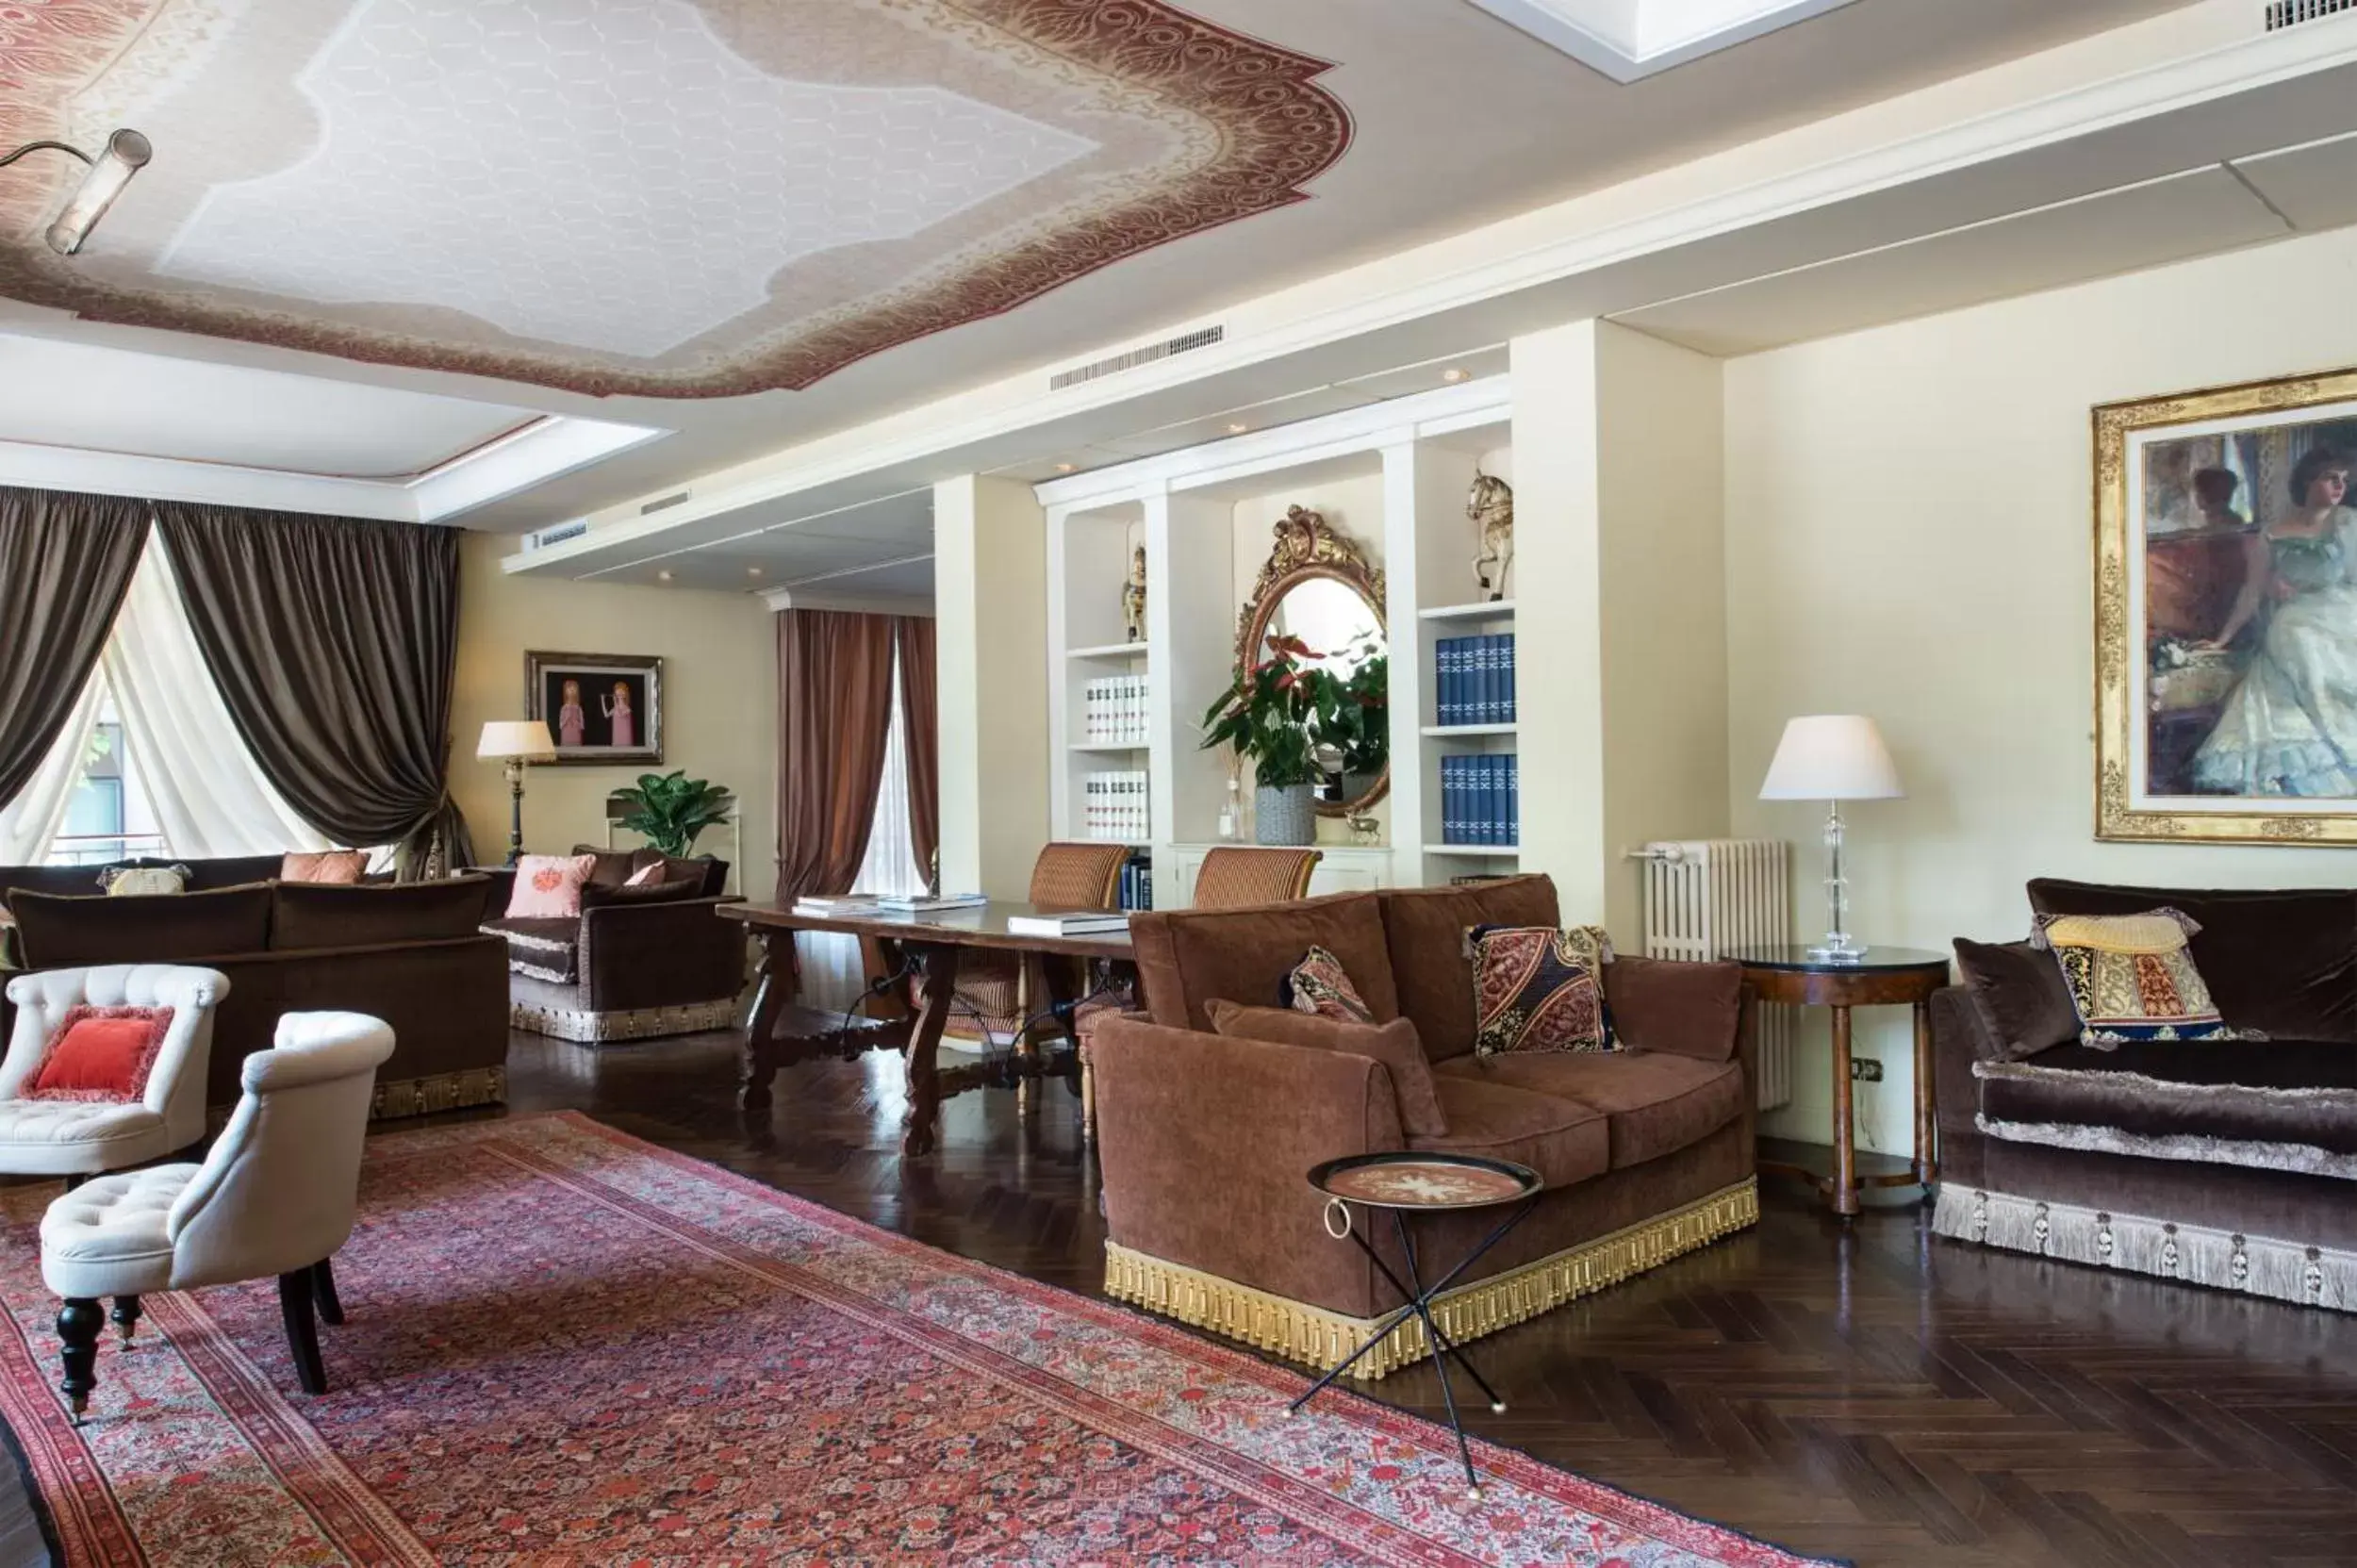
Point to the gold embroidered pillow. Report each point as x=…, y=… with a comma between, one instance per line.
x=2132, y=977
x=1540, y=989
x=1321, y=986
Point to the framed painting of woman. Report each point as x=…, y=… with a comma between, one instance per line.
x=2226, y=615
x=599, y=709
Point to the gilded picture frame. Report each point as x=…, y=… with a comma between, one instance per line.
x=2226, y=615
x=603, y=710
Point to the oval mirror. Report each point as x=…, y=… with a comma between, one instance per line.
x=1318, y=589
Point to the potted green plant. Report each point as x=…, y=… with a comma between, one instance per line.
x=1359, y=726
x=1270, y=714
x=669, y=810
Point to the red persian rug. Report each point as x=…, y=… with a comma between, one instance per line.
x=566, y=1346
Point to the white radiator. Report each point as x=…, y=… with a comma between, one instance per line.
x=1707, y=897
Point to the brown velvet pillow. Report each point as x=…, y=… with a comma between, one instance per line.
x=325, y=915
x=1395, y=1044
x=2020, y=993
x=1677, y=1005
x=1424, y=933
x=60, y=932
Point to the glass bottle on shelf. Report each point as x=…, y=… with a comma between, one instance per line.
x=1229, y=814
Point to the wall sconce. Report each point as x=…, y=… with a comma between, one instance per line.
x=125, y=154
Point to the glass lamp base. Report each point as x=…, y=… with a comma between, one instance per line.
x=1837, y=948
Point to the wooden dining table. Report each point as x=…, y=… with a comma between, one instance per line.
x=929, y=946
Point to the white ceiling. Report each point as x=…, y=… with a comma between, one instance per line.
x=1458, y=120
x=1629, y=39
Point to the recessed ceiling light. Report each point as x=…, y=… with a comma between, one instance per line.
x=1063, y=468
x=1453, y=374
x=752, y=572
x=1238, y=429
x=663, y=576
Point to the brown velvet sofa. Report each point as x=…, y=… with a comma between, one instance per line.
x=1206, y=1140
x=409, y=953
x=636, y=964
x=2225, y=1162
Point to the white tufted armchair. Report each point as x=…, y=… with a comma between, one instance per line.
x=73, y=1138
x=274, y=1196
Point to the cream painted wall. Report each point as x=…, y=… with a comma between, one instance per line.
x=1908, y=537
x=720, y=700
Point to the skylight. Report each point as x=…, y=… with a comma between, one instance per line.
x=1627, y=40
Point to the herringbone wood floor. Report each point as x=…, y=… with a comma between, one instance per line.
x=1870, y=1391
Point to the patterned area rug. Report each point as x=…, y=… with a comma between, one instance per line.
x=567, y=1346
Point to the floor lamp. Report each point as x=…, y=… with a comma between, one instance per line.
x=515, y=742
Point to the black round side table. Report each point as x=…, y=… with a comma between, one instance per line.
x=1408, y=1180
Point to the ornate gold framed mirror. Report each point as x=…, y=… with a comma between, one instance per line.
x=1317, y=586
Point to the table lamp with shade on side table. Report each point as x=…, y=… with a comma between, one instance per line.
x=1833, y=757
x=515, y=742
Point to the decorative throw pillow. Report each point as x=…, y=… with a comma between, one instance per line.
x=2132, y=977
x=101, y=1054
x=1540, y=989
x=340, y=867
x=1395, y=1044
x=2018, y=991
x=132, y=882
x=549, y=886
x=647, y=876
x=1321, y=986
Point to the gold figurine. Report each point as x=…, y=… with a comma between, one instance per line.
x=1489, y=506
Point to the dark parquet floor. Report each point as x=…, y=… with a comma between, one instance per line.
x=1868, y=1391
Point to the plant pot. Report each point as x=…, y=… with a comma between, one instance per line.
x=1285, y=816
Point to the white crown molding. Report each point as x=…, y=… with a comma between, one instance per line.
x=1630, y=39
x=518, y=460
x=1849, y=158
x=850, y=604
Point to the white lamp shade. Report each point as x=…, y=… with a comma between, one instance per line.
x=1830, y=756
x=527, y=739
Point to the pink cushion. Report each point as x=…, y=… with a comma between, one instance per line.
x=649, y=875
x=549, y=886
x=340, y=867
x=101, y=1054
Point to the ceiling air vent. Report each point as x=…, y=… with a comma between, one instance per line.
x=2291, y=13
x=559, y=534
x=1185, y=342
x=663, y=503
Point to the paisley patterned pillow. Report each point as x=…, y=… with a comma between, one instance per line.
x=1540, y=989
x=1321, y=986
x=2132, y=977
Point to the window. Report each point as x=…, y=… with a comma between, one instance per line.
x=108, y=817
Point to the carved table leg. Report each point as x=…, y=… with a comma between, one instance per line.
x=776, y=988
x=1927, y=1101
x=938, y=976
x=1845, y=1199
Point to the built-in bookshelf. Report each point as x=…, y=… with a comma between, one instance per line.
x=1395, y=476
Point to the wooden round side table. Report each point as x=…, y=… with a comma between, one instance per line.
x=1895, y=977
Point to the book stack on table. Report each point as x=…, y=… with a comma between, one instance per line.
x=1474, y=679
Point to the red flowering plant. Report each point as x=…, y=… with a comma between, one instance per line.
x=1274, y=711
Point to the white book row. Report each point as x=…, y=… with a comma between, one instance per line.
x=1112, y=711
x=1113, y=806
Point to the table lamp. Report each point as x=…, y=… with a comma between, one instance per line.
x=515, y=741
x=1833, y=757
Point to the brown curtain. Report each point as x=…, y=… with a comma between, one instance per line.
x=921, y=711
x=834, y=716
x=65, y=563
x=335, y=642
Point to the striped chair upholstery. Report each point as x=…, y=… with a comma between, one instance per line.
x=993, y=984
x=1232, y=877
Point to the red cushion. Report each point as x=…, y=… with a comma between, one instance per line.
x=101, y=1053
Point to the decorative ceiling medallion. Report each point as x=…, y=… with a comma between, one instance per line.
x=667, y=198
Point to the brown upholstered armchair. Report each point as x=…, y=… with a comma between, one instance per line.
x=636, y=965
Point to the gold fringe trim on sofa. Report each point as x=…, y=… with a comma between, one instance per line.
x=1319, y=1337
x=584, y=1026
x=415, y=1097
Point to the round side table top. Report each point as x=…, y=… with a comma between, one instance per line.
x=1875, y=960
x=1415, y=1179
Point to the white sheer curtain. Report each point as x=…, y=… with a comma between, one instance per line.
x=832, y=975
x=29, y=824
x=208, y=796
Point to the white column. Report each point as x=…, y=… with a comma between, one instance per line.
x=1190, y=623
x=990, y=592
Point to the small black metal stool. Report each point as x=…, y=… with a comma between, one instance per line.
x=1408, y=1180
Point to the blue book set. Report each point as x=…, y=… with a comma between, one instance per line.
x=1474, y=679
x=1480, y=799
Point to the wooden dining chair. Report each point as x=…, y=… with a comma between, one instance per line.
x=1233, y=876
x=1003, y=989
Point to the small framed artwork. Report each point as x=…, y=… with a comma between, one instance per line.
x=599, y=709
x=2226, y=615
